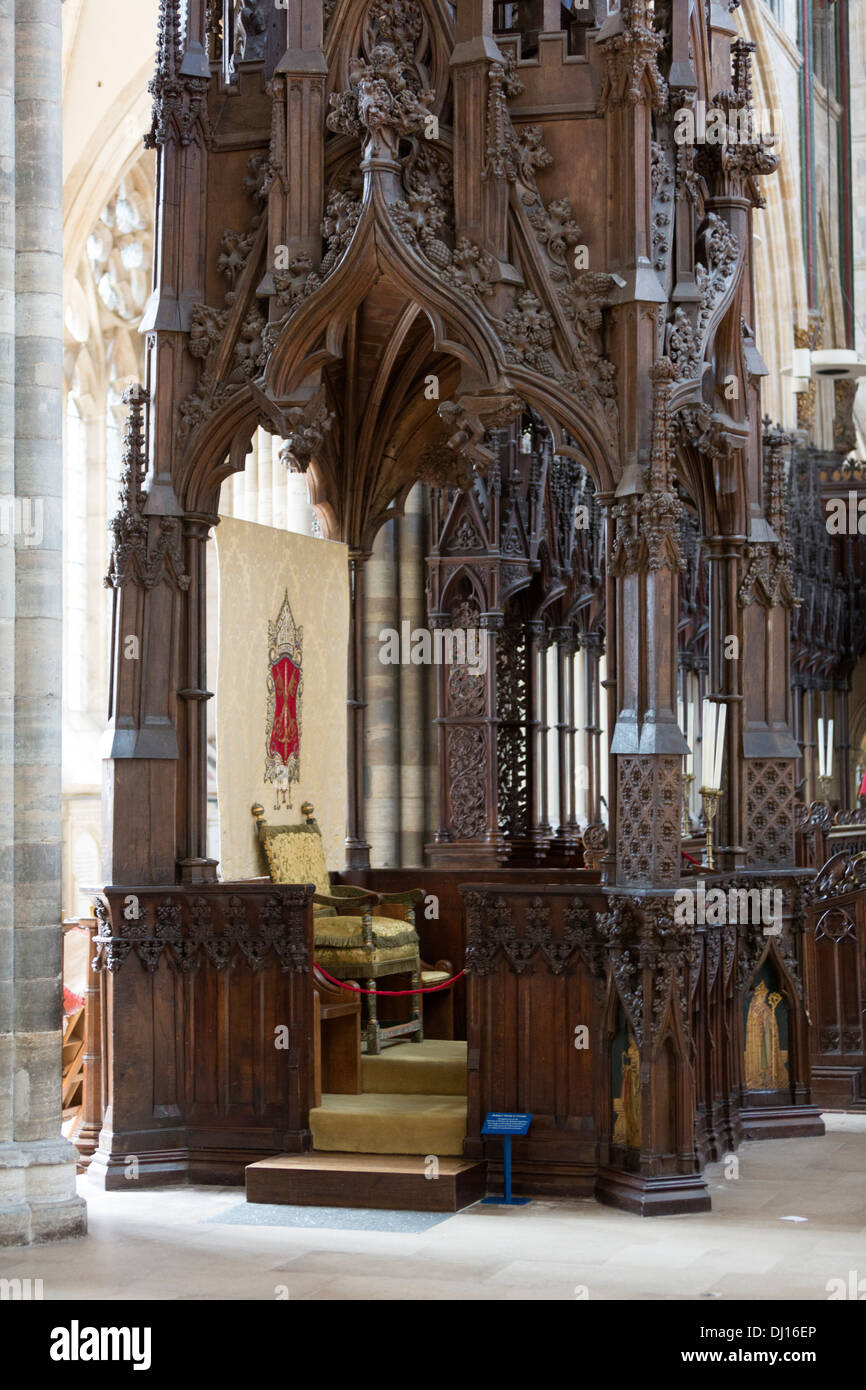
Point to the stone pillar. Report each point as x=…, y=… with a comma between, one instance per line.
x=413, y=681
x=38, y=1201
x=382, y=686
x=357, y=848
x=14, y=1213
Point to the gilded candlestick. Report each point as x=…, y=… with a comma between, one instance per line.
x=710, y=797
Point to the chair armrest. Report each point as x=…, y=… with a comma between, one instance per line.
x=352, y=902
x=406, y=900
x=343, y=901
x=410, y=897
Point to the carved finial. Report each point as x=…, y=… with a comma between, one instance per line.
x=133, y=556
x=380, y=102
x=179, y=96
x=308, y=812
x=741, y=52
x=129, y=525
x=169, y=51
x=258, y=811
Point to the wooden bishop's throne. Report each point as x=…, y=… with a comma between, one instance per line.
x=358, y=934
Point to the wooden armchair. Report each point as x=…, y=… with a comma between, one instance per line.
x=358, y=934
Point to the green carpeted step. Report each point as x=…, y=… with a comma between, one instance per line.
x=390, y=1124
x=433, y=1067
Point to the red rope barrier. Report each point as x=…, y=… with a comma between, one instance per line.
x=396, y=993
x=691, y=859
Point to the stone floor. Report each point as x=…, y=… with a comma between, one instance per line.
x=186, y=1243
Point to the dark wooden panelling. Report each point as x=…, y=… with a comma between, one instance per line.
x=196, y=1085
x=835, y=973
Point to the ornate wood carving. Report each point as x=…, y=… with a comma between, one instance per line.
x=769, y=819
x=210, y=1062
x=492, y=937
x=210, y=927
x=398, y=274
x=650, y=806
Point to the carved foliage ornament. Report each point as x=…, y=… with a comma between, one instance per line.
x=641, y=936
x=492, y=936
x=209, y=325
x=739, y=160
x=685, y=338
x=185, y=932
x=380, y=103
x=508, y=155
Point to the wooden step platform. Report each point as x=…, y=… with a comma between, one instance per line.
x=386, y=1182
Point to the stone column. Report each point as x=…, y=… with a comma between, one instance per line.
x=382, y=687
x=38, y=1201
x=357, y=847
x=413, y=681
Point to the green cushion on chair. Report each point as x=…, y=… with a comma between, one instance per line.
x=345, y=933
x=357, y=963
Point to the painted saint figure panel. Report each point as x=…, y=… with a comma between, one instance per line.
x=766, y=1029
x=285, y=688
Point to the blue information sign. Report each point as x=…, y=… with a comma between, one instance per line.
x=505, y=1126
x=497, y=1123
